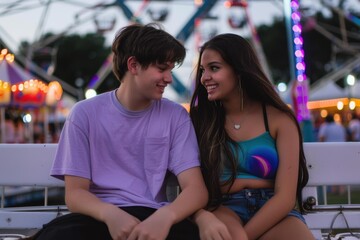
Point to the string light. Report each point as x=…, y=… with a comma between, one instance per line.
x=300, y=67
x=24, y=93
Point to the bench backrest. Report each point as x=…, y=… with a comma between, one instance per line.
x=328, y=164
x=333, y=163
x=27, y=165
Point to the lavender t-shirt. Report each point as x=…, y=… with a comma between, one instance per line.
x=126, y=154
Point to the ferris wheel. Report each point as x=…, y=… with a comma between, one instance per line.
x=85, y=13
x=36, y=15
x=105, y=16
x=96, y=14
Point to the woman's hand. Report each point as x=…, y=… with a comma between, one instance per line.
x=210, y=227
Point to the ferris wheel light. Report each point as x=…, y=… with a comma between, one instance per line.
x=90, y=93
x=282, y=87
x=350, y=80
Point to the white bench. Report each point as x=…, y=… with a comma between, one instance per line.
x=331, y=164
x=25, y=167
x=328, y=164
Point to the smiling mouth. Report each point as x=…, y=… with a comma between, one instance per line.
x=209, y=88
x=162, y=87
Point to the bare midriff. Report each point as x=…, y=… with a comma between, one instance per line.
x=242, y=183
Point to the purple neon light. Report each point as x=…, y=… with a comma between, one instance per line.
x=301, y=89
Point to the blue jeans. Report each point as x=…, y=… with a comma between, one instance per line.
x=248, y=201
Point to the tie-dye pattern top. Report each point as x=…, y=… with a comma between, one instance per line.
x=258, y=157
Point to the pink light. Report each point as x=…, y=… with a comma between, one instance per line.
x=300, y=78
x=299, y=53
x=300, y=66
x=295, y=16
x=294, y=5
x=298, y=40
x=296, y=28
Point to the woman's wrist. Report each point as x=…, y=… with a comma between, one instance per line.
x=201, y=215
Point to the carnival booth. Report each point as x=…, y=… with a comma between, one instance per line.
x=329, y=97
x=21, y=91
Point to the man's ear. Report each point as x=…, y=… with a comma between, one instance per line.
x=132, y=65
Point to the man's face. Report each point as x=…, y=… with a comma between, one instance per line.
x=152, y=81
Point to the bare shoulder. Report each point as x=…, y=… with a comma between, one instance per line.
x=279, y=120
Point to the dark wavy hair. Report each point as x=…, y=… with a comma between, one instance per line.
x=149, y=44
x=209, y=116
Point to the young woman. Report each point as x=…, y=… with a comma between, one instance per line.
x=250, y=147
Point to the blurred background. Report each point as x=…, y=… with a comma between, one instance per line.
x=57, y=52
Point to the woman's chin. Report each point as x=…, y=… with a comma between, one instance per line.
x=212, y=98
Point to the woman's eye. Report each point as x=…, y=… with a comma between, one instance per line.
x=214, y=68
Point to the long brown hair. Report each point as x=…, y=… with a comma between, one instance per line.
x=209, y=116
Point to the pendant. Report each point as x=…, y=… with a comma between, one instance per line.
x=237, y=126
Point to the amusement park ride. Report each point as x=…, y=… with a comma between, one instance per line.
x=203, y=11
x=292, y=14
x=189, y=28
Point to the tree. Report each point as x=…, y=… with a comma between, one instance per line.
x=74, y=59
x=322, y=55
x=274, y=43
x=80, y=57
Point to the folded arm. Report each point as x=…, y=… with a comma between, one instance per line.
x=193, y=197
x=79, y=199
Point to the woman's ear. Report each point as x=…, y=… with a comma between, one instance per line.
x=132, y=65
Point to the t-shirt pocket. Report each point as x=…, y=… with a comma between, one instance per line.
x=156, y=153
x=156, y=158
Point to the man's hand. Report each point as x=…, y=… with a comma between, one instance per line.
x=155, y=227
x=120, y=223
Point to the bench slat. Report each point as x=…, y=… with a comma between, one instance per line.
x=323, y=220
x=333, y=163
x=25, y=220
x=27, y=165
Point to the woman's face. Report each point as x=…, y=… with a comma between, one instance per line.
x=217, y=77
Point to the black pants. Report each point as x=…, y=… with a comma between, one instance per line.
x=74, y=226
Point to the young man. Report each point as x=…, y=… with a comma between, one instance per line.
x=117, y=150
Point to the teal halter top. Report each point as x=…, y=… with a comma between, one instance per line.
x=257, y=157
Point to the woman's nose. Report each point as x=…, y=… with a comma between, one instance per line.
x=204, y=77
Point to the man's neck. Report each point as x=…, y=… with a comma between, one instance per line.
x=129, y=100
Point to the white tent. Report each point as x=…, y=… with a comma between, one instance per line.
x=326, y=91
x=330, y=90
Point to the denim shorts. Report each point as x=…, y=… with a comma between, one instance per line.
x=248, y=201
